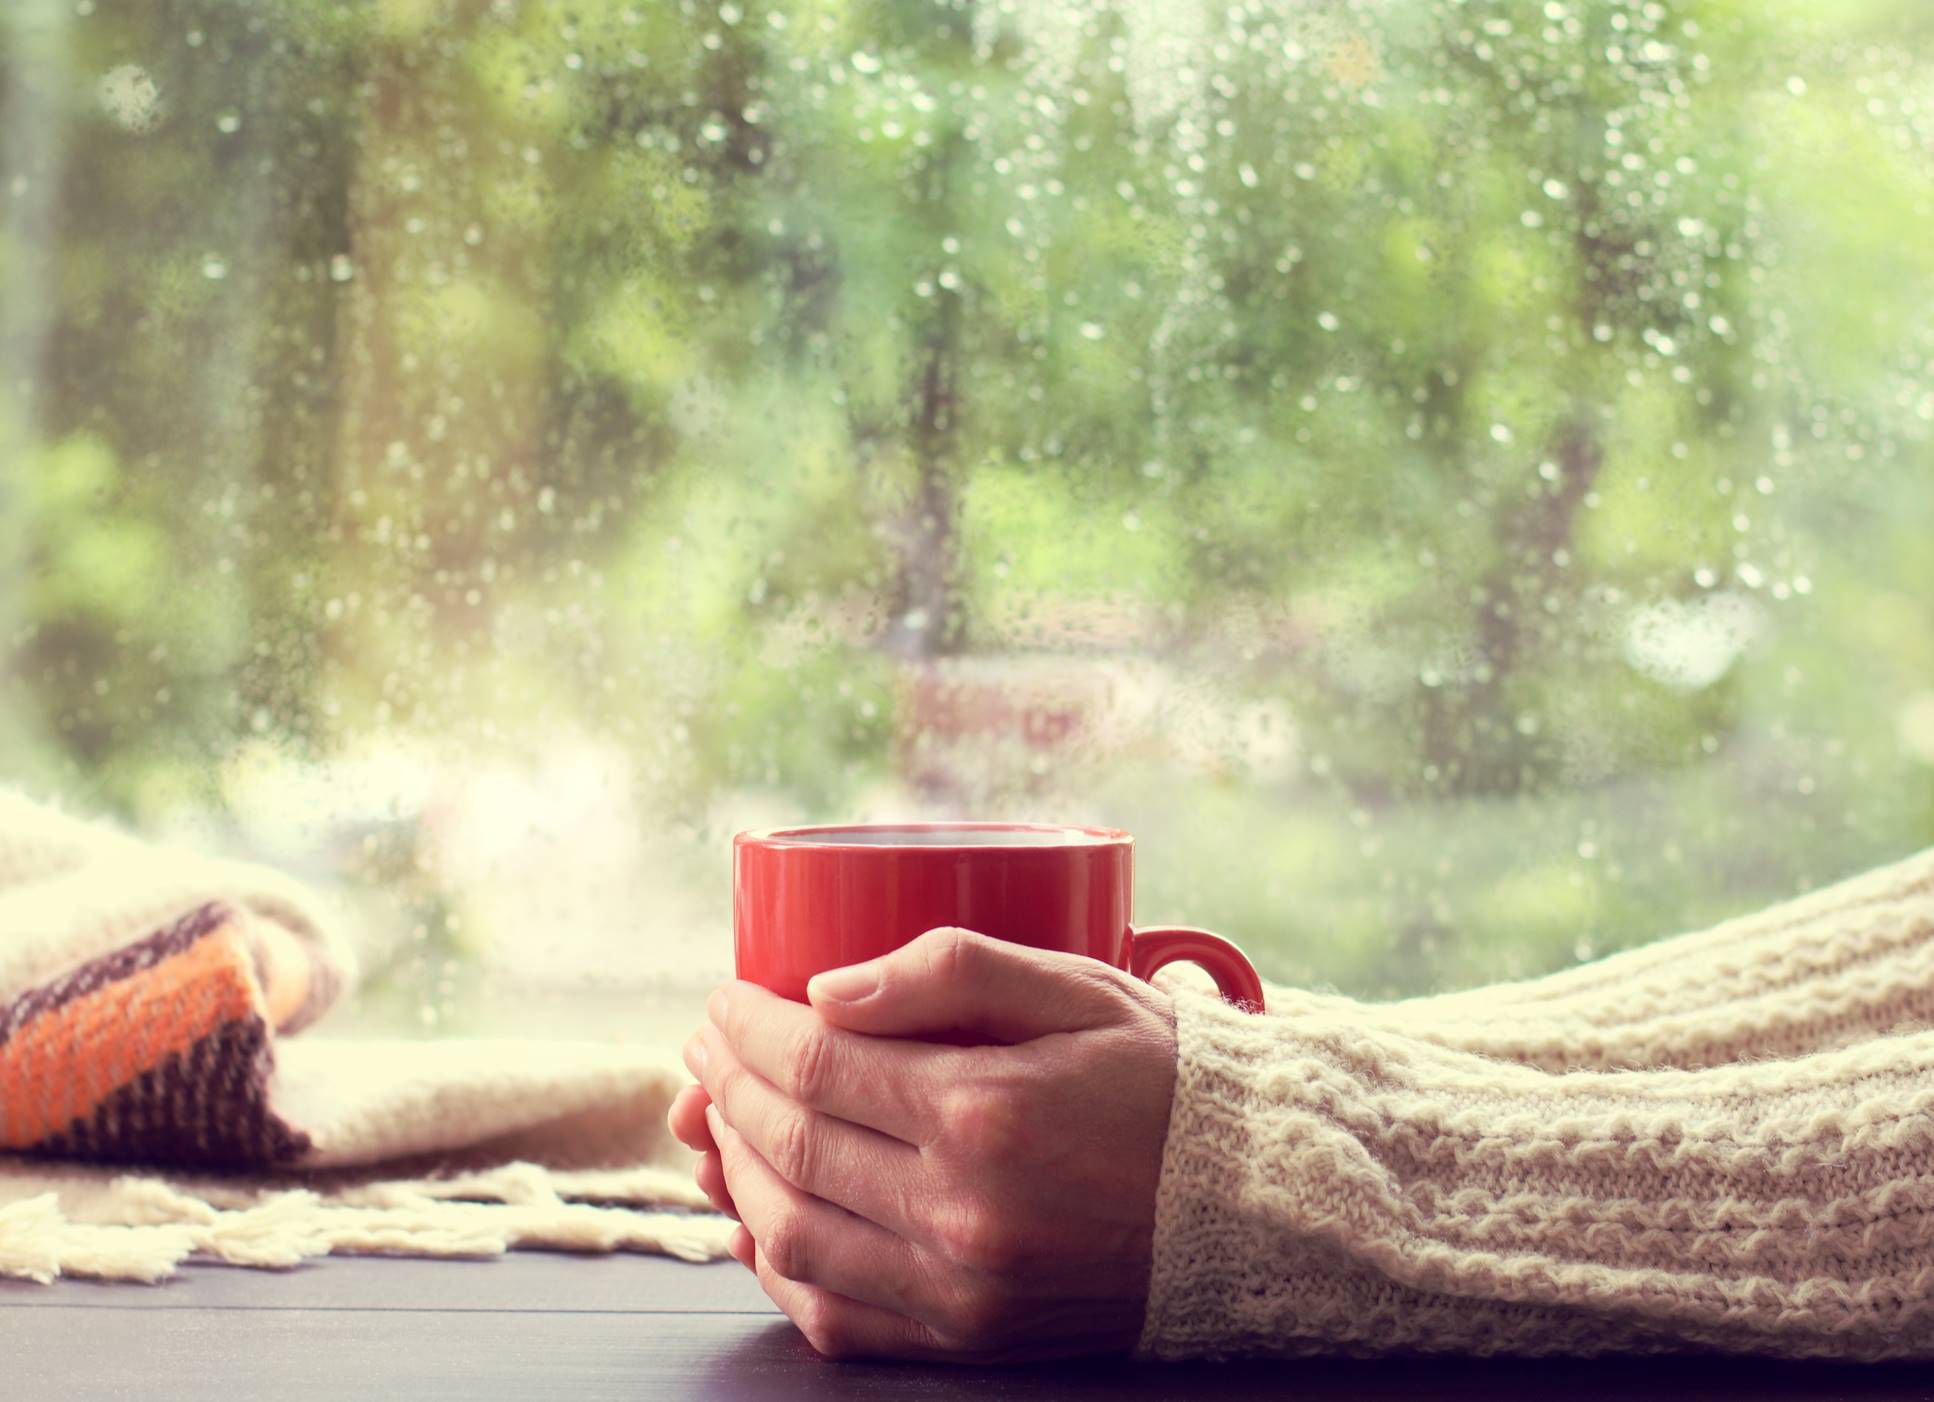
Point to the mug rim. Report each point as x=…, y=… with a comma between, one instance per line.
x=824, y=836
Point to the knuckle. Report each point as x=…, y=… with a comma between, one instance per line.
x=950, y=953
x=981, y=1123
x=792, y=1146
x=784, y=1246
x=818, y=1317
x=1110, y=981
x=977, y=1239
x=976, y=1320
x=809, y=1064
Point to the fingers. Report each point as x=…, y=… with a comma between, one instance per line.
x=952, y=980
x=886, y=1085
x=838, y=1327
x=686, y=1119
x=807, y=1241
x=710, y=1177
x=856, y=1168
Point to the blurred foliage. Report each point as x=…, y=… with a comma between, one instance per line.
x=1500, y=427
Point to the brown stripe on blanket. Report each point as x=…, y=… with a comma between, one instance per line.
x=205, y=1108
x=125, y=962
x=158, y=1053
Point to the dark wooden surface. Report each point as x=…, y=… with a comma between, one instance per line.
x=538, y=1326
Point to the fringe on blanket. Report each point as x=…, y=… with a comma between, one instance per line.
x=118, y=1226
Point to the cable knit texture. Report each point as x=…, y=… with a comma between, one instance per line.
x=1719, y=1141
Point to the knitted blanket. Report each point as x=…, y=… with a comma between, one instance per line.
x=152, y=1110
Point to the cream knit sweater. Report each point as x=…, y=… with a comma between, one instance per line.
x=1724, y=1140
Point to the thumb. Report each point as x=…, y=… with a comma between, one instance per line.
x=955, y=981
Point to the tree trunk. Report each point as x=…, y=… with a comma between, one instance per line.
x=31, y=141
x=926, y=620
x=436, y=424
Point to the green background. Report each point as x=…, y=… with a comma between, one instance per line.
x=1453, y=478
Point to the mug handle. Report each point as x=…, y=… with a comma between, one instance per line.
x=1235, y=977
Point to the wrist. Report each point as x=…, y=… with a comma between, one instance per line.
x=1202, y=1244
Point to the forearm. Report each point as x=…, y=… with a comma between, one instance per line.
x=1826, y=970
x=1329, y=1188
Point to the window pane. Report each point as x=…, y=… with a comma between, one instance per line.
x=1453, y=478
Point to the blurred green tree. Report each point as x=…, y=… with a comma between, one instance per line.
x=1531, y=399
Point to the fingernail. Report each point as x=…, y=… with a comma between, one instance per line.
x=714, y=1122
x=695, y=1054
x=847, y=985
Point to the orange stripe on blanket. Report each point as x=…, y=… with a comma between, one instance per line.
x=62, y=1065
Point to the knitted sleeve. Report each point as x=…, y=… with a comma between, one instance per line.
x=1329, y=1186
x=1827, y=970
x=1744, y=1161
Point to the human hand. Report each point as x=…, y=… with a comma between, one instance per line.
x=906, y=1199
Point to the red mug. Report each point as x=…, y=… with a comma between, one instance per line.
x=809, y=899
